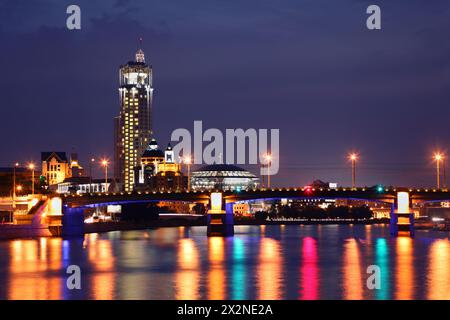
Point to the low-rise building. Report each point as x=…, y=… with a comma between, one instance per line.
x=80, y=185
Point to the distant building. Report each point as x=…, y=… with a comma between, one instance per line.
x=224, y=177
x=55, y=167
x=80, y=185
x=75, y=169
x=159, y=170
x=133, y=125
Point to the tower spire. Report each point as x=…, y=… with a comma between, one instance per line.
x=140, y=57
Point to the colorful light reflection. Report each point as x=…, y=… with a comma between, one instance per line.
x=309, y=270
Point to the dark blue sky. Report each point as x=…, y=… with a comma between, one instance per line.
x=308, y=67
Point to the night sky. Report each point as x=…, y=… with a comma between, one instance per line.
x=308, y=67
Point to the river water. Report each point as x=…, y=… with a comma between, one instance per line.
x=259, y=262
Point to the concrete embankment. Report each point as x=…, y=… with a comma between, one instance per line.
x=11, y=231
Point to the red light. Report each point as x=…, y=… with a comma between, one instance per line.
x=308, y=190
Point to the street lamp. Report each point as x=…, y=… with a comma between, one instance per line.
x=268, y=158
x=90, y=171
x=14, y=185
x=31, y=167
x=438, y=157
x=187, y=160
x=105, y=164
x=353, y=157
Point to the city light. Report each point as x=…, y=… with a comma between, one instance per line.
x=31, y=167
x=403, y=202
x=216, y=202
x=438, y=157
x=353, y=157
x=105, y=164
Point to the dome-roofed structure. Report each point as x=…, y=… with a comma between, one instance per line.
x=152, y=151
x=225, y=177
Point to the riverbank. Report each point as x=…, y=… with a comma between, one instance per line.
x=8, y=231
x=123, y=225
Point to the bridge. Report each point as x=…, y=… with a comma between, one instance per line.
x=387, y=195
x=400, y=199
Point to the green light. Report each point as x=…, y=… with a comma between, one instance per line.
x=380, y=188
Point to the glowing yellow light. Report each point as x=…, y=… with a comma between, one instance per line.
x=55, y=206
x=438, y=156
x=216, y=202
x=268, y=157
x=19, y=188
x=353, y=156
x=105, y=163
x=187, y=159
x=403, y=202
x=31, y=166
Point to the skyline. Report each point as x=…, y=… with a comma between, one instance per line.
x=216, y=74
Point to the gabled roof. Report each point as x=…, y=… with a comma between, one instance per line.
x=61, y=156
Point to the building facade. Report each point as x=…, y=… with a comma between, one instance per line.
x=133, y=127
x=159, y=171
x=55, y=167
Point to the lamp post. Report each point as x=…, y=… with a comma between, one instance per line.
x=14, y=185
x=90, y=171
x=105, y=164
x=31, y=167
x=187, y=161
x=268, y=157
x=438, y=157
x=353, y=157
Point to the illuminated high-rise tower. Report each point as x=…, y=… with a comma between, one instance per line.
x=133, y=127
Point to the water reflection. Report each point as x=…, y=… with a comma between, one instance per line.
x=309, y=270
x=288, y=262
x=352, y=282
x=382, y=260
x=187, y=276
x=101, y=260
x=34, y=269
x=439, y=270
x=216, y=275
x=238, y=271
x=269, y=270
x=404, y=269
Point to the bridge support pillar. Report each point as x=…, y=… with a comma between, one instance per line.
x=402, y=217
x=219, y=222
x=72, y=221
